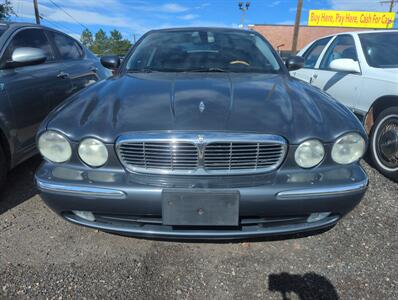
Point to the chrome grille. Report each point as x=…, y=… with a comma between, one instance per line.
x=160, y=155
x=201, y=153
x=236, y=155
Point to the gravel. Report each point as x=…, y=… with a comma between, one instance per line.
x=45, y=257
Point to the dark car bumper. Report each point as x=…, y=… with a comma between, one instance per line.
x=281, y=206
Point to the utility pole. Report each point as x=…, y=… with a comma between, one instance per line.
x=391, y=2
x=244, y=9
x=297, y=25
x=37, y=15
x=391, y=5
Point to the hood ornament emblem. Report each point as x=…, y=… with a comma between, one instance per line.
x=202, y=106
x=200, y=143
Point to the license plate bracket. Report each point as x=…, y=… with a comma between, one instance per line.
x=183, y=207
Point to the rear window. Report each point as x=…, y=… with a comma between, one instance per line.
x=67, y=47
x=380, y=49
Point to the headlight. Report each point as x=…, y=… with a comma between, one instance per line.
x=348, y=148
x=93, y=152
x=54, y=147
x=309, y=153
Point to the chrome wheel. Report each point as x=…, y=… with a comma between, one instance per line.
x=385, y=143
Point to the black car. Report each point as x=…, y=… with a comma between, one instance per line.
x=202, y=133
x=39, y=68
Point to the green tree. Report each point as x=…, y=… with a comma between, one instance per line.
x=118, y=45
x=87, y=38
x=100, y=44
x=6, y=11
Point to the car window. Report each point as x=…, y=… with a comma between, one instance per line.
x=3, y=29
x=202, y=50
x=67, y=47
x=34, y=38
x=342, y=47
x=380, y=49
x=312, y=54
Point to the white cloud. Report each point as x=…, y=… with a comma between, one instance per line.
x=274, y=3
x=360, y=5
x=202, y=5
x=189, y=17
x=133, y=16
x=200, y=23
x=86, y=17
x=173, y=8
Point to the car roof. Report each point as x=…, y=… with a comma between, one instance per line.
x=19, y=24
x=375, y=31
x=219, y=29
x=16, y=25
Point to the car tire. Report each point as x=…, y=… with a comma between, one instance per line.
x=384, y=143
x=3, y=167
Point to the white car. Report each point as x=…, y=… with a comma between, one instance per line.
x=360, y=69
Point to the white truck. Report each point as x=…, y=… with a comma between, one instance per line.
x=360, y=69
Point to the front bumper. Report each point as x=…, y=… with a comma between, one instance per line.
x=279, y=206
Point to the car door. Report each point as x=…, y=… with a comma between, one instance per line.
x=343, y=86
x=77, y=67
x=31, y=88
x=311, y=56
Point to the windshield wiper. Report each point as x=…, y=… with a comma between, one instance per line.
x=206, y=70
x=149, y=70
x=144, y=70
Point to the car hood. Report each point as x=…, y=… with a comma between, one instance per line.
x=256, y=103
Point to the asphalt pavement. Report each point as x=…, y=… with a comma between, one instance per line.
x=45, y=257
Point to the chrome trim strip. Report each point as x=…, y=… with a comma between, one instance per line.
x=191, y=136
x=324, y=191
x=76, y=190
x=200, y=140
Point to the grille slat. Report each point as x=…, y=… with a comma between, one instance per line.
x=237, y=155
x=216, y=156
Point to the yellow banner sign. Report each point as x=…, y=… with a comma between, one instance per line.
x=357, y=19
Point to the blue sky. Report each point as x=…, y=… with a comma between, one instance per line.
x=138, y=16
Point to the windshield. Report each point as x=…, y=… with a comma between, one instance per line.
x=203, y=51
x=380, y=49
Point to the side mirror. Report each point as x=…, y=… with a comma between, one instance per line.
x=294, y=63
x=345, y=65
x=26, y=56
x=111, y=61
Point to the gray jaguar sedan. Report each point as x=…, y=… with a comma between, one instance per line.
x=202, y=133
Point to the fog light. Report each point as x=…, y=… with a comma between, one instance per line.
x=87, y=215
x=317, y=216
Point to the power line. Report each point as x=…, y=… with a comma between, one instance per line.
x=391, y=2
x=57, y=25
x=68, y=14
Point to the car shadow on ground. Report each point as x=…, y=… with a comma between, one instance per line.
x=309, y=286
x=19, y=186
